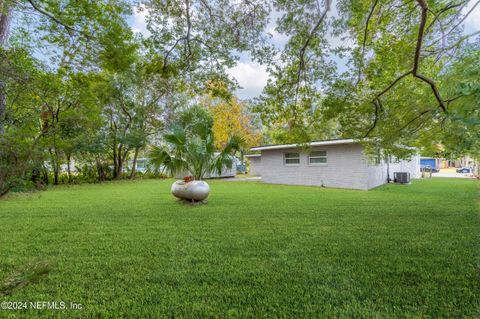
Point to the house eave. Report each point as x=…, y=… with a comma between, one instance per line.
x=290, y=146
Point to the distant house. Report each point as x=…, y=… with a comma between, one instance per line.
x=226, y=171
x=332, y=163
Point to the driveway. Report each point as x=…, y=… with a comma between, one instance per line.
x=245, y=179
x=450, y=172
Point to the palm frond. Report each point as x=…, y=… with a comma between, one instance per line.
x=163, y=161
x=177, y=137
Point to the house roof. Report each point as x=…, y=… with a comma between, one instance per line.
x=253, y=155
x=314, y=143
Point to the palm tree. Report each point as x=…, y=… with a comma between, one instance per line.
x=191, y=149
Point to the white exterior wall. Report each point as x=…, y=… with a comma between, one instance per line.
x=346, y=167
x=377, y=174
x=412, y=166
x=255, y=168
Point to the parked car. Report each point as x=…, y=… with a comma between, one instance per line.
x=464, y=170
x=241, y=169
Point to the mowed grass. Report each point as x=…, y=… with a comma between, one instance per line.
x=130, y=250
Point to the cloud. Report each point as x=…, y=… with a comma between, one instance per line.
x=252, y=78
x=138, y=21
x=472, y=23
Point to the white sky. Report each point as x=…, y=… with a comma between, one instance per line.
x=252, y=76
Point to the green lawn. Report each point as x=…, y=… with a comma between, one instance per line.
x=129, y=249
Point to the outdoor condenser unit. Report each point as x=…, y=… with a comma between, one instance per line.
x=401, y=177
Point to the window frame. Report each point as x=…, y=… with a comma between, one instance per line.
x=318, y=156
x=291, y=164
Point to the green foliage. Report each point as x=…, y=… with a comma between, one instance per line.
x=461, y=134
x=256, y=250
x=15, y=161
x=199, y=40
x=401, y=83
x=190, y=147
x=76, y=34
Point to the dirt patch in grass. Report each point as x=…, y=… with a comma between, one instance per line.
x=25, y=276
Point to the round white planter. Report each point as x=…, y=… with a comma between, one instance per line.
x=194, y=190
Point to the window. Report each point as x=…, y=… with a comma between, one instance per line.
x=292, y=158
x=317, y=157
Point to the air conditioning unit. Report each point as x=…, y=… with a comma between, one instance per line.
x=401, y=177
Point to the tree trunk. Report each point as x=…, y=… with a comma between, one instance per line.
x=69, y=157
x=115, y=161
x=4, y=191
x=5, y=18
x=3, y=187
x=55, y=166
x=122, y=153
x=55, y=176
x=119, y=168
x=36, y=177
x=118, y=174
x=100, y=170
x=3, y=107
x=45, y=174
x=134, y=164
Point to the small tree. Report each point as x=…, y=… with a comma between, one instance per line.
x=190, y=147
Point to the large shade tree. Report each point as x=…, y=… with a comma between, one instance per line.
x=43, y=50
x=396, y=89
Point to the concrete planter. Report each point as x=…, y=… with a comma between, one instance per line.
x=194, y=190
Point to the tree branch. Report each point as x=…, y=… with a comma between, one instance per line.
x=189, y=29
x=443, y=10
x=416, y=62
x=421, y=31
x=365, y=34
x=165, y=58
x=209, y=9
x=453, y=45
x=414, y=119
x=464, y=17
x=375, y=121
x=53, y=18
x=301, y=63
x=392, y=84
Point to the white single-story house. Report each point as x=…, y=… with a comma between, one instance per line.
x=255, y=161
x=340, y=163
